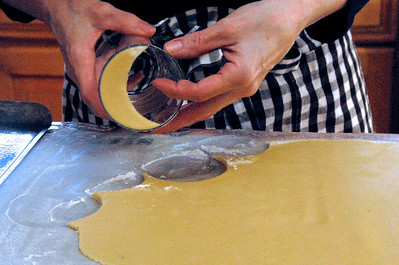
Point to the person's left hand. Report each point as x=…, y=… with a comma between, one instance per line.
x=253, y=39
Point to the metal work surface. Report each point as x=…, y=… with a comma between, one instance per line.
x=53, y=184
x=21, y=126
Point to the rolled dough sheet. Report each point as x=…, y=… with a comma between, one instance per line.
x=308, y=202
x=113, y=92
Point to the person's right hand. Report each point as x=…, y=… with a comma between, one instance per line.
x=77, y=25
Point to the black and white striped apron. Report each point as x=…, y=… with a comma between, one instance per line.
x=317, y=87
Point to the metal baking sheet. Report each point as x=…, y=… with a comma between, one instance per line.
x=21, y=126
x=53, y=184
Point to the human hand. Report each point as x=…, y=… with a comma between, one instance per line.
x=77, y=26
x=253, y=39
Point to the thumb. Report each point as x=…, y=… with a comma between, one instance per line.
x=197, y=43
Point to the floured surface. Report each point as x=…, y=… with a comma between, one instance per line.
x=309, y=202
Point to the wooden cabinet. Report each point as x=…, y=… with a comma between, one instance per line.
x=375, y=33
x=377, y=22
x=377, y=64
x=31, y=65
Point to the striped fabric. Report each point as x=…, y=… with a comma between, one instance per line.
x=317, y=87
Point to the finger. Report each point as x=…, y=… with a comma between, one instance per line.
x=123, y=22
x=83, y=61
x=198, y=43
x=227, y=79
x=198, y=111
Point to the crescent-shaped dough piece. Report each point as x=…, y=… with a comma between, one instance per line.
x=113, y=93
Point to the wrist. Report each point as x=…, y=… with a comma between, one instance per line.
x=296, y=15
x=314, y=10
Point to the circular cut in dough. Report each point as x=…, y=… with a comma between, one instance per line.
x=113, y=94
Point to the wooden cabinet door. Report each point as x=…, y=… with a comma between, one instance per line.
x=377, y=66
x=376, y=23
x=375, y=34
x=31, y=65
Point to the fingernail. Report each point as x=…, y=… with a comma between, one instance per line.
x=173, y=46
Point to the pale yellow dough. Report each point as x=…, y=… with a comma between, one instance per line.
x=309, y=202
x=113, y=92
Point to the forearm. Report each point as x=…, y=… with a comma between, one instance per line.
x=336, y=24
x=314, y=10
x=307, y=12
x=323, y=20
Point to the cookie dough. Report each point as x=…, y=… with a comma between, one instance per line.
x=113, y=94
x=307, y=202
